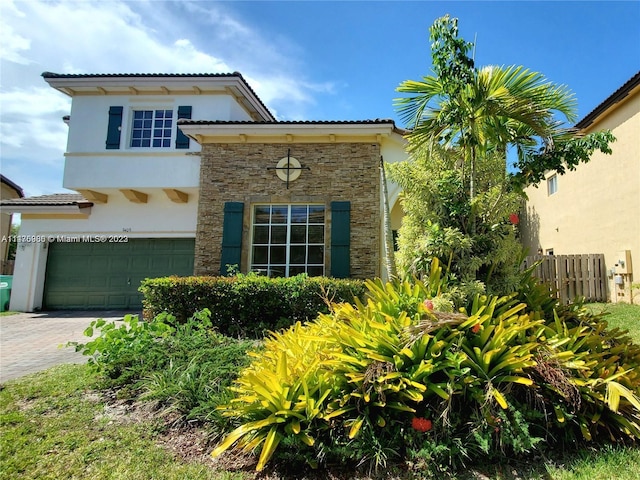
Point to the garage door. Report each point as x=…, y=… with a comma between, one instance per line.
x=107, y=275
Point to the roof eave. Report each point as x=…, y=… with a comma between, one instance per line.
x=203, y=132
x=14, y=186
x=233, y=83
x=610, y=103
x=77, y=208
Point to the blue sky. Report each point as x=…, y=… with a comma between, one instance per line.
x=312, y=60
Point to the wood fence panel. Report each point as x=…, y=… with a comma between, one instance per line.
x=584, y=260
x=572, y=276
x=571, y=261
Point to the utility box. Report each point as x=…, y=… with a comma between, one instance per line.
x=623, y=262
x=5, y=291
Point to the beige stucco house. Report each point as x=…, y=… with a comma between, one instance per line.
x=9, y=190
x=596, y=208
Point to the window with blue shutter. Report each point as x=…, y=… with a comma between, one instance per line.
x=340, y=239
x=182, y=141
x=114, y=127
x=231, y=236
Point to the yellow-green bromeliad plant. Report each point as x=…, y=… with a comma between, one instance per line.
x=374, y=366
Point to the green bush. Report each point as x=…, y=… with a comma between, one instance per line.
x=136, y=353
x=401, y=377
x=247, y=305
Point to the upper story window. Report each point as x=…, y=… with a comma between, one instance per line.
x=152, y=128
x=552, y=184
x=147, y=128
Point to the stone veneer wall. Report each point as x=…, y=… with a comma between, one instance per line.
x=338, y=172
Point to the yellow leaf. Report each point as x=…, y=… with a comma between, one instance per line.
x=306, y=439
x=559, y=413
x=295, y=426
x=270, y=444
x=499, y=398
x=231, y=439
x=355, y=427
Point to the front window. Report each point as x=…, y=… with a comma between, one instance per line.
x=288, y=240
x=152, y=128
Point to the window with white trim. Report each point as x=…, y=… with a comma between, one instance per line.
x=151, y=128
x=552, y=184
x=288, y=240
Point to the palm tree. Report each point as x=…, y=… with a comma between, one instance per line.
x=496, y=108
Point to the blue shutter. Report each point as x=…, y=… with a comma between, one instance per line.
x=231, y=236
x=182, y=141
x=113, y=130
x=340, y=239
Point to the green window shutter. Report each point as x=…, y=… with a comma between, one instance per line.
x=340, y=239
x=231, y=236
x=113, y=130
x=182, y=141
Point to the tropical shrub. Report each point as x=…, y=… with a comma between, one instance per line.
x=174, y=363
x=250, y=305
x=401, y=376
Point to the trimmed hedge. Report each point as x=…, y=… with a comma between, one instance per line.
x=247, y=305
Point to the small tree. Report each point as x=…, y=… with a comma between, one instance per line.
x=463, y=120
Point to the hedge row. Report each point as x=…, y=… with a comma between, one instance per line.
x=247, y=305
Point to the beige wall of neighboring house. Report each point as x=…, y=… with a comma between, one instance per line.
x=596, y=208
x=8, y=191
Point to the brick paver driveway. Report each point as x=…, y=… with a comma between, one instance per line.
x=29, y=342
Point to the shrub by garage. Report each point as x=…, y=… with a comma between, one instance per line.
x=247, y=305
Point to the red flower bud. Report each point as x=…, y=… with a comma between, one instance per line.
x=421, y=424
x=475, y=328
x=428, y=304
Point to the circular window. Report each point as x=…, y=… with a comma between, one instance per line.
x=288, y=169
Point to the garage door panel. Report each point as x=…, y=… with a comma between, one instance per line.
x=107, y=275
x=101, y=262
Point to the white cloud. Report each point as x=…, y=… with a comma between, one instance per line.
x=67, y=36
x=42, y=127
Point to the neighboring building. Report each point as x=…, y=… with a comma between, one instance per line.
x=8, y=191
x=182, y=174
x=596, y=208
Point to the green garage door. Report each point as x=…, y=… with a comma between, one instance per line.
x=107, y=275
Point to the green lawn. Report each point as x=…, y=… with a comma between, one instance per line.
x=53, y=427
x=621, y=315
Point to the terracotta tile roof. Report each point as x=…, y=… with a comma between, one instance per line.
x=13, y=185
x=614, y=98
x=56, y=199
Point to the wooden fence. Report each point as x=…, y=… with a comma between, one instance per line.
x=573, y=275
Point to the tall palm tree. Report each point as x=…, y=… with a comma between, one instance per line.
x=496, y=108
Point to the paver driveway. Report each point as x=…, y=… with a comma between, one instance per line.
x=29, y=342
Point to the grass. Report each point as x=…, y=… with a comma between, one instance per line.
x=6, y=314
x=53, y=425
x=52, y=428
x=621, y=315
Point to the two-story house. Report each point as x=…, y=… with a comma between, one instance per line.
x=596, y=207
x=182, y=174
